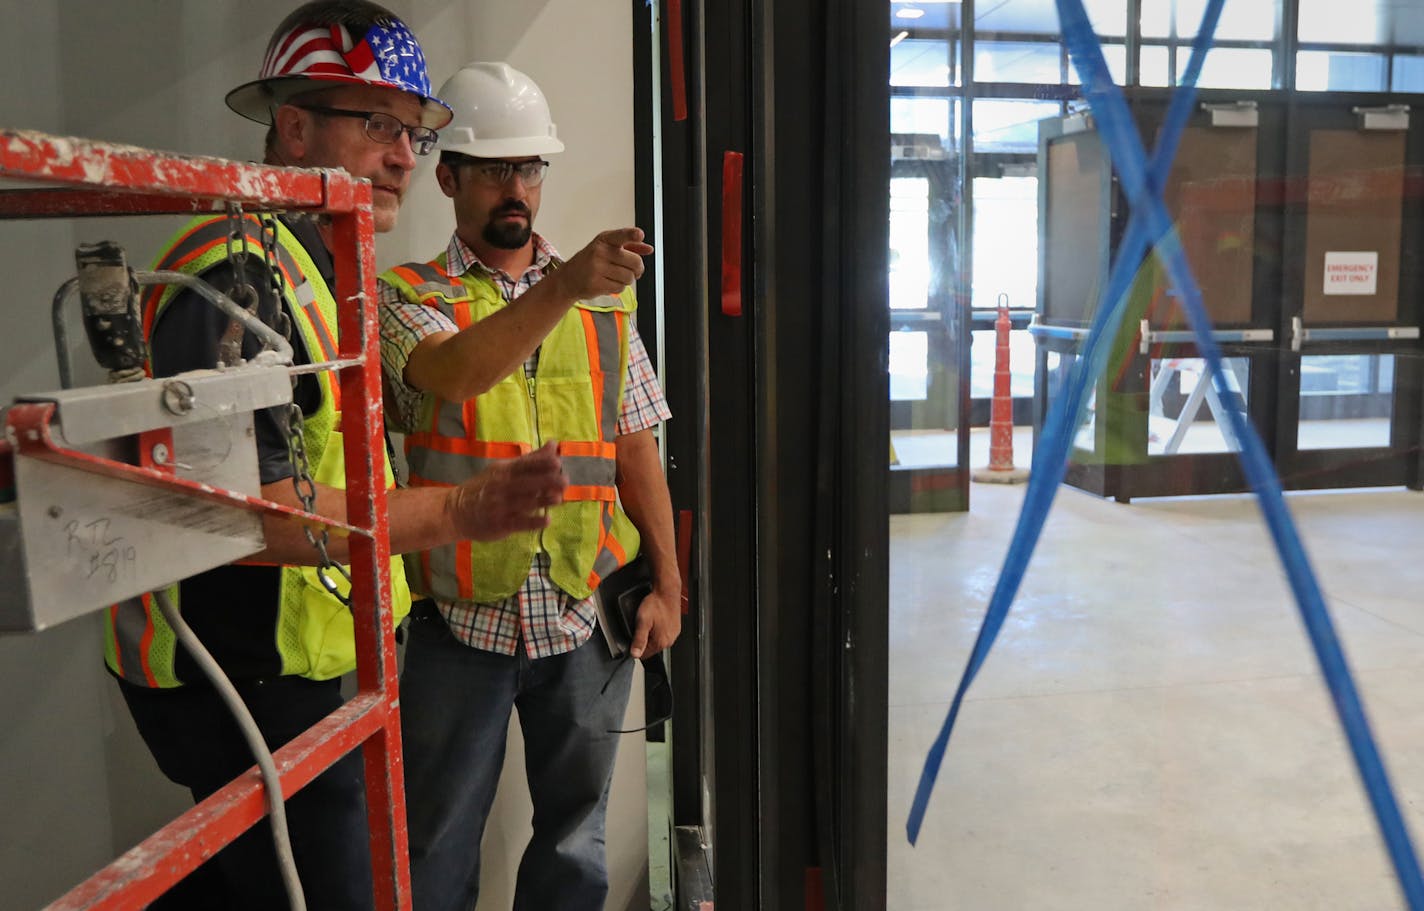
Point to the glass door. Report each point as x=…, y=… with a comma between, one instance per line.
x=928, y=345
x=1349, y=413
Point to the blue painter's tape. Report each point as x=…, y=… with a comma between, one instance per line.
x=1116, y=124
x=1050, y=457
x=1143, y=184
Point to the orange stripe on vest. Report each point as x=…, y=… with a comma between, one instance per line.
x=595, y=364
x=593, y=448
x=466, y=447
x=464, y=570
x=146, y=642
x=584, y=493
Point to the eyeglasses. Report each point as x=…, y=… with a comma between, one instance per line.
x=497, y=172
x=384, y=128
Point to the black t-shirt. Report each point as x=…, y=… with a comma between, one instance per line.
x=233, y=609
x=186, y=336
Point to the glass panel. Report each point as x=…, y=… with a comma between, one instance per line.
x=1231, y=67
x=1060, y=366
x=1334, y=71
x=909, y=243
x=924, y=398
x=1109, y=17
x=1211, y=194
x=922, y=62
x=925, y=365
x=1225, y=68
x=1346, y=401
x=1010, y=126
x=1005, y=242
x=927, y=116
x=1355, y=228
x=909, y=366
x=1241, y=20
x=1018, y=61
x=924, y=449
x=1408, y=74
x=982, y=356
x=924, y=15
x=1075, y=227
x=1152, y=68
x=1185, y=412
x=1115, y=55
x=1371, y=22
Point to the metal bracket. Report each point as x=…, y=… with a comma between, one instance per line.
x=122, y=489
x=1235, y=114
x=1392, y=117
x=1078, y=122
x=1043, y=331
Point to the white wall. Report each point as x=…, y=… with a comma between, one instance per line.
x=75, y=782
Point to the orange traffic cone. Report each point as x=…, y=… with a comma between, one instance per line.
x=1001, y=468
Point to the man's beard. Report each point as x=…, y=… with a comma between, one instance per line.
x=508, y=235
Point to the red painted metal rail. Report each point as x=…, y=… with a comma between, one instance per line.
x=732, y=233
x=82, y=178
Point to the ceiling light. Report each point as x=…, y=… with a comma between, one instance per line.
x=908, y=12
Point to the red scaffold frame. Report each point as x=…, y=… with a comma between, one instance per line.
x=83, y=178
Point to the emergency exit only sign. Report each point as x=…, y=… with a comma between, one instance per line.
x=1349, y=272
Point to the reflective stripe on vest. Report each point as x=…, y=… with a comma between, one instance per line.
x=313, y=637
x=129, y=640
x=575, y=398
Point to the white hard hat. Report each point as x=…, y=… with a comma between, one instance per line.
x=499, y=113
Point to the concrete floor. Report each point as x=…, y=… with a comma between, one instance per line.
x=1151, y=730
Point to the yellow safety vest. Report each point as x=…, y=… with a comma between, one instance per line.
x=314, y=632
x=574, y=397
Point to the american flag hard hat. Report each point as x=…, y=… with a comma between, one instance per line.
x=381, y=53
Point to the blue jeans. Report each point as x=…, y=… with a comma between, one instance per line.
x=455, y=706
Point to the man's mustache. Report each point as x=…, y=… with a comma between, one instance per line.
x=513, y=208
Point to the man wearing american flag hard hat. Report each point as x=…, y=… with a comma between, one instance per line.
x=343, y=85
x=340, y=60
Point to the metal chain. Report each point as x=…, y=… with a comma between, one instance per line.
x=302, y=481
x=230, y=352
x=275, y=276
x=230, y=345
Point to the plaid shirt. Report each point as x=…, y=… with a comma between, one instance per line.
x=541, y=616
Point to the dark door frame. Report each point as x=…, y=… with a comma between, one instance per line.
x=778, y=445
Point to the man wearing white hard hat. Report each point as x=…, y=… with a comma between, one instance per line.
x=343, y=85
x=478, y=370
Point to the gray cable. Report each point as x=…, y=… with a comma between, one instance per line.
x=276, y=808
x=280, y=349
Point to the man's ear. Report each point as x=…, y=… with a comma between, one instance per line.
x=293, y=128
x=448, y=180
